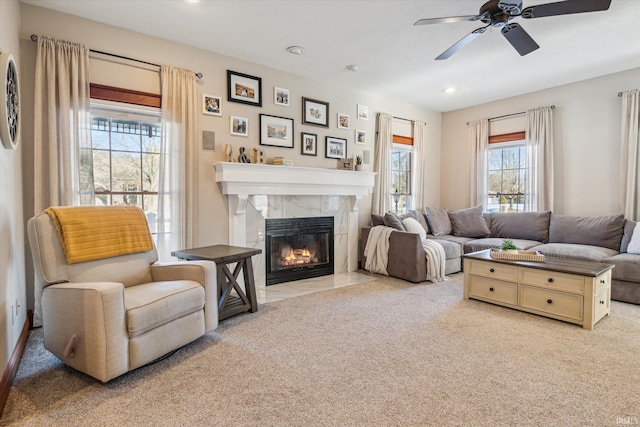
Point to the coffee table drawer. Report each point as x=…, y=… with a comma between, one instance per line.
x=493, y=270
x=493, y=290
x=551, y=279
x=601, y=302
x=555, y=303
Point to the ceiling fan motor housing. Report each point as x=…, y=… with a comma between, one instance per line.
x=497, y=14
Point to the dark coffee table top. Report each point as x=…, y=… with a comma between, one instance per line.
x=560, y=265
x=217, y=253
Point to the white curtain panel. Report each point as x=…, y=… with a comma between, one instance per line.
x=479, y=156
x=382, y=165
x=178, y=185
x=539, y=159
x=62, y=125
x=420, y=163
x=629, y=174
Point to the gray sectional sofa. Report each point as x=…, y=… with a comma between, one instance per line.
x=603, y=239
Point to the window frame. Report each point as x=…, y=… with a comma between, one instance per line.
x=396, y=196
x=505, y=143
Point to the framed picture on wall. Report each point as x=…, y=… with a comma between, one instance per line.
x=276, y=131
x=244, y=88
x=336, y=148
x=363, y=112
x=238, y=126
x=343, y=121
x=309, y=145
x=361, y=137
x=315, y=112
x=212, y=105
x=281, y=96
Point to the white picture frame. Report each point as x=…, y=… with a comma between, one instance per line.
x=212, y=105
x=238, y=126
x=363, y=112
x=361, y=137
x=343, y=121
x=281, y=96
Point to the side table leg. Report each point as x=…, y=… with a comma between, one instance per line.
x=250, y=285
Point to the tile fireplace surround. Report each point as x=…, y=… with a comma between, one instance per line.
x=257, y=192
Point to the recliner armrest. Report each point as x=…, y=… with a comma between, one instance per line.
x=95, y=313
x=203, y=272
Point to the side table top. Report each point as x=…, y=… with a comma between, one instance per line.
x=560, y=265
x=217, y=253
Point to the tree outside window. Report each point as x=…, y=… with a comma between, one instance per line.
x=506, y=178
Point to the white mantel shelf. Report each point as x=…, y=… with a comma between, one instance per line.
x=250, y=179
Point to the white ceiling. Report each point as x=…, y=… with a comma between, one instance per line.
x=397, y=59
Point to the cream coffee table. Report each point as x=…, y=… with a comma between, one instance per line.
x=570, y=290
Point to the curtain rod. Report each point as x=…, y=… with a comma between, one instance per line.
x=34, y=39
x=553, y=107
x=402, y=118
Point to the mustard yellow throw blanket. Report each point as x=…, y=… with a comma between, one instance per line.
x=88, y=233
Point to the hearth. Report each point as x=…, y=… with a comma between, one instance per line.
x=298, y=248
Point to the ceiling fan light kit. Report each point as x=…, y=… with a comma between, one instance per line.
x=498, y=13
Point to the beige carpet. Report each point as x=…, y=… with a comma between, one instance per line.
x=381, y=353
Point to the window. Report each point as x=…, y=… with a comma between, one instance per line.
x=507, y=177
x=125, y=153
x=401, y=178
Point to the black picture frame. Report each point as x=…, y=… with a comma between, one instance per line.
x=308, y=144
x=315, y=113
x=335, y=148
x=276, y=131
x=244, y=89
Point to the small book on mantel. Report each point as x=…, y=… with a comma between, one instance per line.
x=282, y=161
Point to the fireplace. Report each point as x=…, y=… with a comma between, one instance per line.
x=298, y=248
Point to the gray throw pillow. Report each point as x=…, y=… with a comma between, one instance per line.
x=469, y=223
x=422, y=219
x=377, y=220
x=521, y=225
x=603, y=231
x=438, y=220
x=391, y=219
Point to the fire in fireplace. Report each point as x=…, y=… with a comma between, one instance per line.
x=298, y=248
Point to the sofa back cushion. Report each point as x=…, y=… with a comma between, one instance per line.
x=391, y=219
x=521, y=225
x=377, y=220
x=469, y=223
x=604, y=231
x=438, y=221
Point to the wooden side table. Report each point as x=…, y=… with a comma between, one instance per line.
x=223, y=255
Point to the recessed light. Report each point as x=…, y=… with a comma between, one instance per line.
x=192, y=1
x=354, y=68
x=295, y=50
x=450, y=90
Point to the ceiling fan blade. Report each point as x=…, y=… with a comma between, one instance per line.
x=519, y=39
x=447, y=20
x=462, y=42
x=565, y=8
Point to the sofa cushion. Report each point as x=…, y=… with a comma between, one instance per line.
x=413, y=226
x=521, y=225
x=422, y=219
x=494, y=242
x=451, y=249
x=438, y=221
x=377, y=220
x=391, y=219
x=153, y=304
x=634, y=243
x=575, y=251
x=627, y=267
x=605, y=231
x=469, y=223
x=629, y=226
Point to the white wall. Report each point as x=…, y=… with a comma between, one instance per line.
x=12, y=274
x=586, y=137
x=213, y=205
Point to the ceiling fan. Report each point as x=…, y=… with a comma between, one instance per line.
x=498, y=13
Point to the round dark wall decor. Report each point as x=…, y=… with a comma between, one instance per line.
x=9, y=102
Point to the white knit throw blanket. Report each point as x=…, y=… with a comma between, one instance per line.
x=434, y=252
x=377, y=249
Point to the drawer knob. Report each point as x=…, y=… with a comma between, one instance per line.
x=549, y=301
x=602, y=281
x=550, y=280
x=601, y=302
x=491, y=290
x=491, y=270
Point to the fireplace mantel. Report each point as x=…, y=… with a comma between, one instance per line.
x=238, y=181
x=245, y=179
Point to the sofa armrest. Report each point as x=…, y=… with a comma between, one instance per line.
x=203, y=272
x=84, y=326
x=407, y=259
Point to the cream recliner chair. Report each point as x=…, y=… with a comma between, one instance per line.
x=109, y=316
